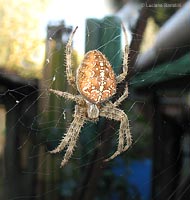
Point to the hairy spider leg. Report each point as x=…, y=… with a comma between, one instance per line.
x=71, y=137
x=69, y=71
x=125, y=139
x=66, y=95
x=122, y=97
x=122, y=76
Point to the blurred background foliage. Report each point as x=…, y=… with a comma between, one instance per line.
x=22, y=32
x=22, y=44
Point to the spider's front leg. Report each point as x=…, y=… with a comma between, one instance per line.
x=72, y=134
x=125, y=139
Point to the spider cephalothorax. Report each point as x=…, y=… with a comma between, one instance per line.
x=96, y=83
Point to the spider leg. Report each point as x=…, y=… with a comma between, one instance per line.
x=122, y=76
x=69, y=72
x=122, y=97
x=72, y=134
x=66, y=95
x=125, y=138
x=71, y=146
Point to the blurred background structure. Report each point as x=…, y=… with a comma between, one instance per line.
x=33, y=39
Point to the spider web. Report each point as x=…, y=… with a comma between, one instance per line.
x=73, y=179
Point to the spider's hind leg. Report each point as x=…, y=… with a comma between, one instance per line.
x=122, y=97
x=125, y=138
x=122, y=76
x=69, y=71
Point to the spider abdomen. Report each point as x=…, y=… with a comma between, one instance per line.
x=95, y=77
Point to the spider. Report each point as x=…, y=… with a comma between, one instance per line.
x=96, y=83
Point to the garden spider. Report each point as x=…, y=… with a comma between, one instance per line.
x=96, y=83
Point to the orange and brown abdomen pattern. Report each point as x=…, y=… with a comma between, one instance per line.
x=95, y=77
